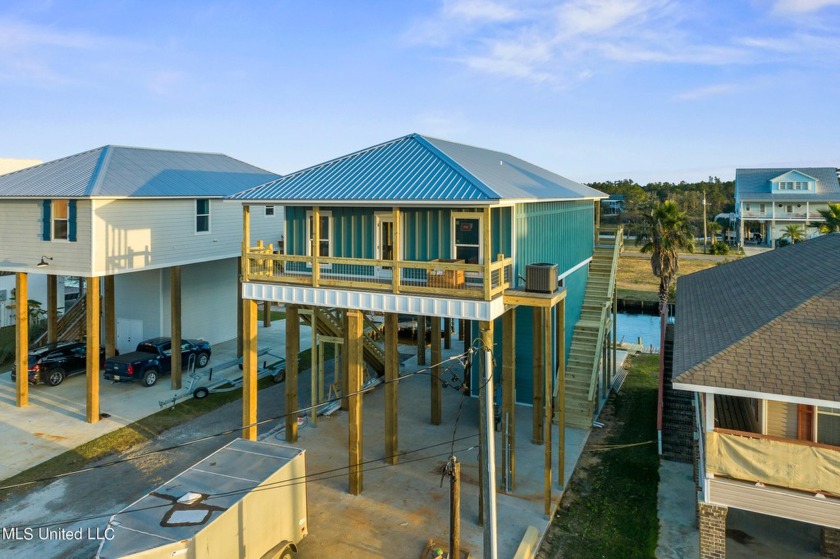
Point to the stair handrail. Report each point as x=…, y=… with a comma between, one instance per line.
x=604, y=307
x=66, y=321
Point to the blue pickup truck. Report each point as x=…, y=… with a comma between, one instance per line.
x=153, y=358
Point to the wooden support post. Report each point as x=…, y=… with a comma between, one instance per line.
x=353, y=340
x=22, y=339
x=110, y=318
x=437, y=389
x=176, y=364
x=345, y=373
x=560, y=391
x=421, y=340
x=598, y=222
x=266, y=314
x=461, y=329
x=239, y=319
x=615, y=332
x=292, y=356
x=538, y=376
x=488, y=280
x=547, y=402
x=316, y=247
x=509, y=399
x=447, y=333
x=92, y=350
x=52, y=309
x=467, y=332
x=396, y=275
x=392, y=373
x=249, y=370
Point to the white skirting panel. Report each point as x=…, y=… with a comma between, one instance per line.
x=774, y=501
x=376, y=301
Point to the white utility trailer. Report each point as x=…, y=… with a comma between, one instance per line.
x=247, y=499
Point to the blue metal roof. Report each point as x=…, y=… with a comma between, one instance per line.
x=116, y=171
x=416, y=168
x=754, y=184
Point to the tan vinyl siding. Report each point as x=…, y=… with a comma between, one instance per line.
x=775, y=502
x=21, y=226
x=781, y=419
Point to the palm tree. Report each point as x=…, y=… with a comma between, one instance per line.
x=832, y=219
x=793, y=233
x=713, y=228
x=665, y=230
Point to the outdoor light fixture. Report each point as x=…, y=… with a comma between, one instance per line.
x=43, y=263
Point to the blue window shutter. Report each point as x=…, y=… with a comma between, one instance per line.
x=71, y=218
x=47, y=221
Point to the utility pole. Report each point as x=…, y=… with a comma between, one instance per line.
x=705, y=234
x=454, y=468
x=488, y=449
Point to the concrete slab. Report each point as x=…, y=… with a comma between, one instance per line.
x=748, y=534
x=54, y=421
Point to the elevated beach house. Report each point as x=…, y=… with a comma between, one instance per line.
x=444, y=232
x=135, y=225
x=761, y=359
x=769, y=200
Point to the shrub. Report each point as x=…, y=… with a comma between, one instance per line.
x=719, y=247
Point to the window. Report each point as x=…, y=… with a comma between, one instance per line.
x=762, y=208
x=828, y=426
x=325, y=246
x=202, y=215
x=269, y=211
x=59, y=220
x=466, y=237
x=747, y=207
x=789, y=208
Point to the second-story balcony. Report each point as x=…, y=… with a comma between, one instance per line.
x=774, y=461
x=441, y=277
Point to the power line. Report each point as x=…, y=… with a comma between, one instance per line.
x=228, y=431
x=317, y=476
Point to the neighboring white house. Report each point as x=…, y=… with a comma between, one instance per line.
x=768, y=200
x=134, y=214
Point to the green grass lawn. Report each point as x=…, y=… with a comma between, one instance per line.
x=610, y=509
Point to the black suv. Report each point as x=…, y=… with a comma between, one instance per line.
x=52, y=363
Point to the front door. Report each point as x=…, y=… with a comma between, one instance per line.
x=384, y=243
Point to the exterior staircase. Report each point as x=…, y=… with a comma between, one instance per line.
x=677, y=413
x=329, y=324
x=583, y=362
x=71, y=326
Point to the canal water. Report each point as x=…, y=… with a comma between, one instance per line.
x=631, y=327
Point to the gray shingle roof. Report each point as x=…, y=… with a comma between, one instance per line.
x=754, y=184
x=418, y=168
x=116, y=171
x=769, y=323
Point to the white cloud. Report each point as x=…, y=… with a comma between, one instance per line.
x=706, y=91
x=559, y=41
x=803, y=6
x=480, y=10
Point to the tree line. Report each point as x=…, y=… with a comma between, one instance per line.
x=688, y=196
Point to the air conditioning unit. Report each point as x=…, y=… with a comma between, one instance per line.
x=541, y=277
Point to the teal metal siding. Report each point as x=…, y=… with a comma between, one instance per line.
x=556, y=232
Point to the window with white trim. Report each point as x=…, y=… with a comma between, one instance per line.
x=828, y=426
x=325, y=245
x=467, y=242
x=269, y=211
x=202, y=215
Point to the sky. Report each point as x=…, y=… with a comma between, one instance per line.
x=650, y=90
